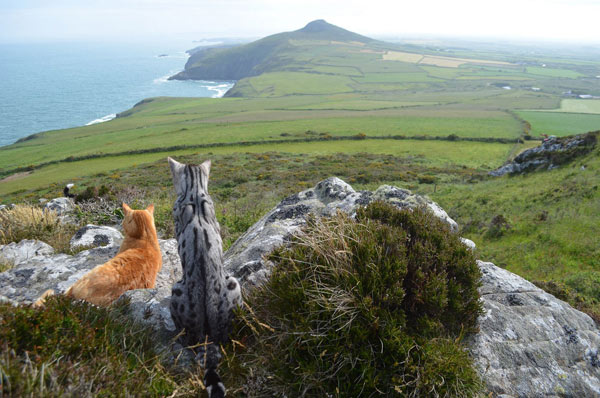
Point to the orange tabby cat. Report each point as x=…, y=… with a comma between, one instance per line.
x=134, y=267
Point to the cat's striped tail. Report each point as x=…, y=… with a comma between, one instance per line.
x=214, y=385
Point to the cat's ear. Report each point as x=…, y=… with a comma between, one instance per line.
x=150, y=209
x=205, y=166
x=126, y=209
x=176, y=171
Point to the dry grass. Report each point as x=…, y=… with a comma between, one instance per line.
x=443, y=61
x=448, y=62
x=402, y=56
x=5, y=265
x=31, y=222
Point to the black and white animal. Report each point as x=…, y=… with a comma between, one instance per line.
x=202, y=302
x=67, y=192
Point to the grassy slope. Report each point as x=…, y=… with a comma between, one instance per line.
x=554, y=219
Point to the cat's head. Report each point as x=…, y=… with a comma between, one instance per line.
x=137, y=223
x=189, y=178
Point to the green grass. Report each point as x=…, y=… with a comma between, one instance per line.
x=552, y=72
x=579, y=106
x=291, y=83
x=395, y=78
x=71, y=348
x=362, y=105
x=553, y=222
x=151, y=127
x=560, y=123
x=470, y=154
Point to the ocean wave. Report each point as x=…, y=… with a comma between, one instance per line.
x=220, y=89
x=102, y=119
x=165, y=78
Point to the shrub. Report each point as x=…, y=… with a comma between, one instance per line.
x=364, y=308
x=583, y=303
x=31, y=222
x=72, y=348
x=498, y=226
x=426, y=179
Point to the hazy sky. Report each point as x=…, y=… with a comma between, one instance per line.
x=133, y=20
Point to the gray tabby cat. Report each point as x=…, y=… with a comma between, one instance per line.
x=203, y=301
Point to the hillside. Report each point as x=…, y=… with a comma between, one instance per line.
x=322, y=85
x=269, y=54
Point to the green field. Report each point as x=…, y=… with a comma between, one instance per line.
x=196, y=122
x=433, y=153
x=579, y=106
x=564, y=73
x=560, y=123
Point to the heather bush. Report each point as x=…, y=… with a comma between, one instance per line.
x=375, y=306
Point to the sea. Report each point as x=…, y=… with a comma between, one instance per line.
x=49, y=86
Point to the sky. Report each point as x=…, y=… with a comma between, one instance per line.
x=138, y=20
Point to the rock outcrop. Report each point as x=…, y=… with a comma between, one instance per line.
x=60, y=205
x=244, y=259
x=530, y=344
x=37, y=268
x=550, y=154
x=94, y=236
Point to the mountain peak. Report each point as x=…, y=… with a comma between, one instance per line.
x=318, y=25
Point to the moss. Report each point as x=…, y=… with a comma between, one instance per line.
x=375, y=306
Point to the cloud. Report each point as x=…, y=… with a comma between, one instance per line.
x=115, y=19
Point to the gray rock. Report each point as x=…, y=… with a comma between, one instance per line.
x=95, y=236
x=60, y=205
x=549, y=155
x=469, y=243
x=34, y=272
x=24, y=251
x=530, y=343
x=244, y=258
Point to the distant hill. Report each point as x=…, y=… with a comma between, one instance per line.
x=265, y=55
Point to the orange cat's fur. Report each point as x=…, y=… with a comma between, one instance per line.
x=134, y=267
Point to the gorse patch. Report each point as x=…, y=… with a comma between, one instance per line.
x=369, y=307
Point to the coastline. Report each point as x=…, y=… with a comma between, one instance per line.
x=106, y=86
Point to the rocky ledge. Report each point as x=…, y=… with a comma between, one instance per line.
x=550, y=154
x=530, y=344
